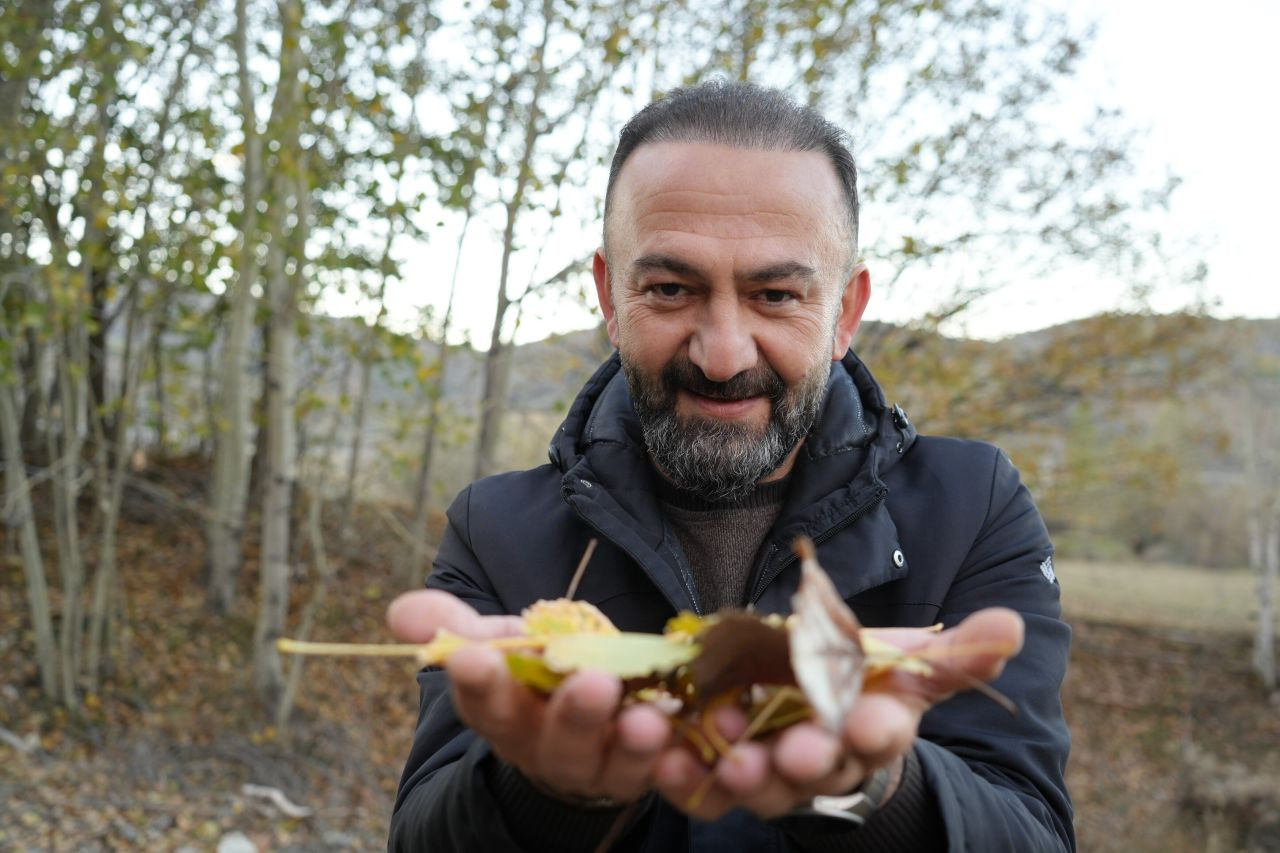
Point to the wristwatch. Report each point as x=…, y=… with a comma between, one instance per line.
x=837, y=814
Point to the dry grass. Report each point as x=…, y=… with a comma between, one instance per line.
x=1158, y=596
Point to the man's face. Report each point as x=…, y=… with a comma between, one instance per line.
x=727, y=291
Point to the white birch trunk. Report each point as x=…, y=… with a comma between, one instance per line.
x=231, y=424
x=278, y=488
x=323, y=575
x=1268, y=568
x=20, y=521
x=292, y=184
x=65, y=456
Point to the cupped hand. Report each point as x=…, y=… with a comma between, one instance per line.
x=770, y=777
x=578, y=742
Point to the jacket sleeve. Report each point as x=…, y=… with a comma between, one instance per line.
x=455, y=794
x=997, y=778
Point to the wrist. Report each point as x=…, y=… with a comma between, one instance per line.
x=576, y=800
x=896, y=769
x=848, y=811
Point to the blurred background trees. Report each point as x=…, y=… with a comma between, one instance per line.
x=207, y=207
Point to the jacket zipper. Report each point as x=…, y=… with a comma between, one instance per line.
x=682, y=573
x=768, y=577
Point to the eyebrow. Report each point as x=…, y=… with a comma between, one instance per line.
x=781, y=272
x=666, y=263
x=774, y=272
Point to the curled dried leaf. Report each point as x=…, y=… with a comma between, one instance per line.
x=826, y=654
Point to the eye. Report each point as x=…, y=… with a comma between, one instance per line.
x=776, y=297
x=668, y=290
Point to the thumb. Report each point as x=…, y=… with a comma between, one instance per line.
x=978, y=647
x=974, y=650
x=416, y=617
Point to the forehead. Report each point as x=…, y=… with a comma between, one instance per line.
x=724, y=192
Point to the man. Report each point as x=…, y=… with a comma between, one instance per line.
x=732, y=418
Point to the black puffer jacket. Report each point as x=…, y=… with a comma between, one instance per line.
x=913, y=530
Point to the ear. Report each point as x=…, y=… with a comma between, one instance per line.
x=853, y=301
x=604, y=293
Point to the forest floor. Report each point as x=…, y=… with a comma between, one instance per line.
x=1175, y=748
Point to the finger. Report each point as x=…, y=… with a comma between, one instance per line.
x=641, y=733
x=981, y=644
x=415, y=617
x=577, y=729
x=730, y=721
x=881, y=727
x=802, y=761
x=689, y=785
x=745, y=771
x=805, y=754
x=752, y=777
x=493, y=704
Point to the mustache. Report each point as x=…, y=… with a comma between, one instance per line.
x=760, y=381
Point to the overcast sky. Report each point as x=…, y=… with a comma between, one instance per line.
x=1205, y=77
x=1203, y=81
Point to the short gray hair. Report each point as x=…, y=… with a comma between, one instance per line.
x=739, y=115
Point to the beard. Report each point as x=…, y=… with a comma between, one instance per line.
x=715, y=459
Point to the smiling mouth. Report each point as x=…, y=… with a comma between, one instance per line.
x=725, y=407
x=716, y=398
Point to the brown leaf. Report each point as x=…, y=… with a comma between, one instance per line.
x=740, y=650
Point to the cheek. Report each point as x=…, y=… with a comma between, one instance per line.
x=649, y=338
x=802, y=351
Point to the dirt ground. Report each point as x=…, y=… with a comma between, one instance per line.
x=1172, y=740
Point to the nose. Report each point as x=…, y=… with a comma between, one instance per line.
x=722, y=344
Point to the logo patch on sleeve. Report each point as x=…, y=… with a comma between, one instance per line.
x=1046, y=569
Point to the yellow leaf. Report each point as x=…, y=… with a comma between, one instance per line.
x=623, y=655
x=561, y=616
x=531, y=670
x=686, y=625
x=439, y=649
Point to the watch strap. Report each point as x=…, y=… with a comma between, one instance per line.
x=847, y=811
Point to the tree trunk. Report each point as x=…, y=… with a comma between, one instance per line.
x=493, y=402
x=368, y=352
x=323, y=575
x=292, y=184
x=1268, y=568
x=278, y=486
x=64, y=451
x=230, y=472
x=33, y=367
x=110, y=488
x=20, y=523
x=422, y=489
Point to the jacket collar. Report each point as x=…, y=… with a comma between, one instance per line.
x=837, y=481
x=855, y=414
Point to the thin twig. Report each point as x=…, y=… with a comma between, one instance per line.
x=619, y=824
x=582, y=568
x=290, y=646
x=398, y=528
